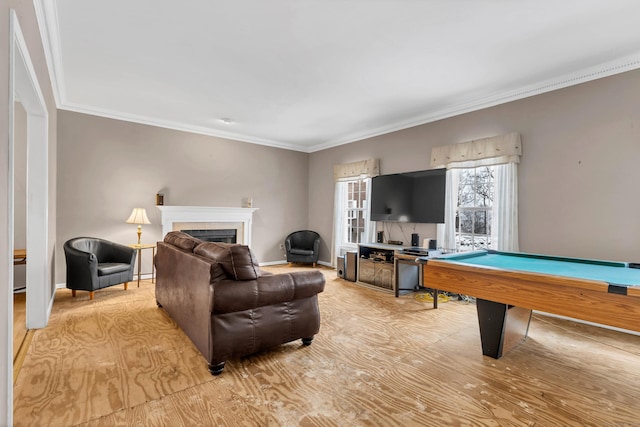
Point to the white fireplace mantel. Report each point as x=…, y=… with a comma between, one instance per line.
x=201, y=214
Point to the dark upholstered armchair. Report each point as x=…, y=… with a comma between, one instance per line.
x=94, y=264
x=303, y=246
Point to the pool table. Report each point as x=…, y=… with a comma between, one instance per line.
x=509, y=285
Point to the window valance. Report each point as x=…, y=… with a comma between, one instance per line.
x=496, y=150
x=362, y=169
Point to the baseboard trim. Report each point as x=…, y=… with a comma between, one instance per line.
x=282, y=262
x=22, y=354
x=134, y=280
x=266, y=264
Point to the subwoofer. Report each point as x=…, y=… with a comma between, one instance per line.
x=340, y=267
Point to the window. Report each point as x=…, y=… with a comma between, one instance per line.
x=356, y=211
x=475, y=204
x=351, y=224
x=484, y=174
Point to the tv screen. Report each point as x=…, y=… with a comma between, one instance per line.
x=409, y=197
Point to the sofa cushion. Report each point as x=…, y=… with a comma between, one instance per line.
x=182, y=240
x=237, y=261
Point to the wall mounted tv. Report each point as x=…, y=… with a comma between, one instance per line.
x=409, y=197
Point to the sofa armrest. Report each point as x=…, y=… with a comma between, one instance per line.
x=231, y=296
x=82, y=268
x=307, y=283
x=183, y=289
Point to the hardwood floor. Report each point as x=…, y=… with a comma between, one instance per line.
x=377, y=361
x=21, y=335
x=19, y=321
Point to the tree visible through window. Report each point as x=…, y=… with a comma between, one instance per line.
x=475, y=202
x=356, y=211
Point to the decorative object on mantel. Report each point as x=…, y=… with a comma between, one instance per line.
x=138, y=216
x=159, y=199
x=248, y=202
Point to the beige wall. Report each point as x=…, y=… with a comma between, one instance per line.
x=577, y=180
x=577, y=176
x=107, y=167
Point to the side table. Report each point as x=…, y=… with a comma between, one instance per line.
x=19, y=256
x=139, y=249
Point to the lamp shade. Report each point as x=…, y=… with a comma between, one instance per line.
x=138, y=216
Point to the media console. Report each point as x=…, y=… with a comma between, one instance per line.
x=376, y=265
x=390, y=268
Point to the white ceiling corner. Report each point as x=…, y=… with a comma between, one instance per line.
x=309, y=75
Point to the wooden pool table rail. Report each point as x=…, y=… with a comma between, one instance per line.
x=588, y=300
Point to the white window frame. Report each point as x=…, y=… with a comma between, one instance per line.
x=344, y=206
x=459, y=235
x=342, y=173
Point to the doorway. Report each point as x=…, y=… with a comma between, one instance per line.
x=19, y=229
x=24, y=86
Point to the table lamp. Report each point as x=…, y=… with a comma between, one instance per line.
x=138, y=216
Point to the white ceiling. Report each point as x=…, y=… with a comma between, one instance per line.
x=312, y=74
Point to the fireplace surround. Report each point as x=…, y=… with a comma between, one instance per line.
x=178, y=218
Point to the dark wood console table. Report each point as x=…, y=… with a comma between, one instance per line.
x=19, y=256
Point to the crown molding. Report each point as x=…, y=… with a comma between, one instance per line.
x=621, y=65
x=183, y=127
x=628, y=63
x=47, y=18
x=46, y=13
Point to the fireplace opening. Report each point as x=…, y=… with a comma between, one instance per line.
x=224, y=235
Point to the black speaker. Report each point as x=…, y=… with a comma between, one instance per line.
x=433, y=244
x=415, y=239
x=340, y=267
x=351, y=266
x=380, y=238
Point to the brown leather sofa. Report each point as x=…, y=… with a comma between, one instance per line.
x=226, y=305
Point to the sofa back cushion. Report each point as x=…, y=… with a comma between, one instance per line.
x=182, y=240
x=237, y=261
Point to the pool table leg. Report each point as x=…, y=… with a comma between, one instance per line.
x=502, y=327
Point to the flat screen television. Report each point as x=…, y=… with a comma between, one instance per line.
x=409, y=197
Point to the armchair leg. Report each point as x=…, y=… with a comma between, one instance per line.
x=126, y=285
x=314, y=265
x=307, y=341
x=73, y=293
x=217, y=368
x=91, y=295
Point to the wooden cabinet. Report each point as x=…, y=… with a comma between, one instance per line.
x=367, y=271
x=376, y=273
x=376, y=267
